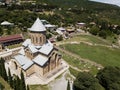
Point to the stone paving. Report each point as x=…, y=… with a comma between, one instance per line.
x=62, y=82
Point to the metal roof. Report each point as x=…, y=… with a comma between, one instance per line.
x=22, y=52
x=32, y=48
x=23, y=61
x=40, y=60
x=6, y=23
x=26, y=42
x=37, y=26
x=46, y=49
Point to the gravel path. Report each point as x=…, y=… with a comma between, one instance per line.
x=60, y=84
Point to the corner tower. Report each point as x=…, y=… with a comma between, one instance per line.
x=38, y=33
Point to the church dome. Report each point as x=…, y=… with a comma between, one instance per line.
x=37, y=26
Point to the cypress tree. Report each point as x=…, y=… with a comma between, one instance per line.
x=28, y=87
x=23, y=86
x=18, y=83
x=3, y=70
x=15, y=84
x=0, y=68
x=68, y=86
x=10, y=81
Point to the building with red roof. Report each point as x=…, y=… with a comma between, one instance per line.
x=10, y=40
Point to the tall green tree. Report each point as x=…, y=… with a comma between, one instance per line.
x=94, y=30
x=103, y=34
x=28, y=87
x=3, y=70
x=85, y=81
x=68, y=85
x=109, y=78
x=23, y=85
x=10, y=81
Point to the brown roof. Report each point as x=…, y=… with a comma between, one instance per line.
x=11, y=38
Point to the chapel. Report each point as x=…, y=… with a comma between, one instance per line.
x=38, y=55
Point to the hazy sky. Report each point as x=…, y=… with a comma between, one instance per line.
x=116, y=2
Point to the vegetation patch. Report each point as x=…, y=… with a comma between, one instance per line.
x=39, y=87
x=4, y=84
x=83, y=66
x=73, y=72
x=103, y=55
x=89, y=38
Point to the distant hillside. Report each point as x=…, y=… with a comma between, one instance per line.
x=110, y=12
x=65, y=12
x=79, y=3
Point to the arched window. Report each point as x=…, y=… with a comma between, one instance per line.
x=55, y=56
x=36, y=39
x=15, y=65
x=40, y=39
x=32, y=38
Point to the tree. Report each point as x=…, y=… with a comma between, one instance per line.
x=94, y=30
x=48, y=35
x=10, y=81
x=28, y=87
x=103, y=34
x=1, y=87
x=59, y=38
x=109, y=78
x=1, y=31
x=85, y=81
x=68, y=86
x=23, y=85
x=3, y=73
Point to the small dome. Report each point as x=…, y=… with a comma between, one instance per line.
x=37, y=26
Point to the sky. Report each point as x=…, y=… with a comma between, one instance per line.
x=115, y=2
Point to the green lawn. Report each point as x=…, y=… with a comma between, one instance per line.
x=80, y=65
x=89, y=38
x=39, y=87
x=103, y=55
x=73, y=72
x=14, y=46
x=5, y=84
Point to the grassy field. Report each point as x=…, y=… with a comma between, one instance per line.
x=89, y=38
x=73, y=72
x=39, y=87
x=5, y=84
x=103, y=55
x=14, y=46
x=80, y=65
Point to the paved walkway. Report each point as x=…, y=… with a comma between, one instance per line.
x=9, y=52
x=61, y=83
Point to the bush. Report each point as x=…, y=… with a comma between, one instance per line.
x=85, y=81
x=109, y=78
x=103, y=34
x=94, y=30
x=59, y=38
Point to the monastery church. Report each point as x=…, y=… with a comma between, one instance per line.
x=38, y=55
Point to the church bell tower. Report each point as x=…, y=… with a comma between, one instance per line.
x=38, y=33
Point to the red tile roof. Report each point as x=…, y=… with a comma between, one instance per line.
x=11, y=38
